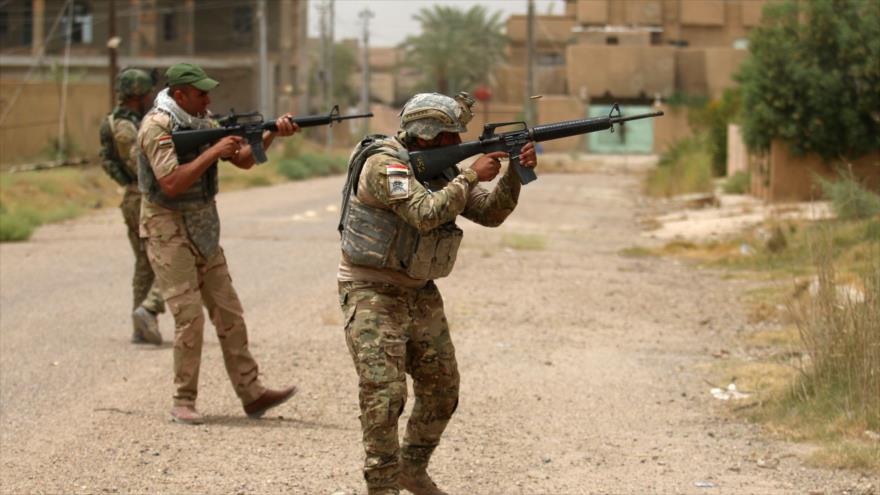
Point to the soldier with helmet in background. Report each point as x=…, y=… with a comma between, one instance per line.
x=134, y=88
x=398, y=235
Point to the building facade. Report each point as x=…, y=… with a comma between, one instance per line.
x=41, y=40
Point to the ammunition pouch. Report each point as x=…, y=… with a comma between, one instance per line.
x=377, y=238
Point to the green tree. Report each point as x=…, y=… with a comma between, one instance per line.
x=813, y=78
x=456, y=49
x=344, y=66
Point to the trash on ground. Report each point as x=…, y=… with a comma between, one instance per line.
x=726, y=394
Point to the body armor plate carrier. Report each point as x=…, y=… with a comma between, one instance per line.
x=377, y=238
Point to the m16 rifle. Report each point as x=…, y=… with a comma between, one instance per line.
x=250, y=126
x=440, y=162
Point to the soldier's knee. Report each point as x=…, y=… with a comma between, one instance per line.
x=382, y=405
x=185, y=303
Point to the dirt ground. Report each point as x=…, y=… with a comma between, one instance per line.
x=583, y=371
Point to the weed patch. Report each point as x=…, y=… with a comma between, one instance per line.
x=685, y=168
x=524, y=242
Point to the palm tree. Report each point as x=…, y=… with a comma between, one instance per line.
x=457, y=49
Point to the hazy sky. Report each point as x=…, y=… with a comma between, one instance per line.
x=392, y=21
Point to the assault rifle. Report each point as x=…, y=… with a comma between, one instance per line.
x=440, y=162
x=249, y=126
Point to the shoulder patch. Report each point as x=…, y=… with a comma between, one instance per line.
x=398, y=181
x=396, y=169
x=164, y=141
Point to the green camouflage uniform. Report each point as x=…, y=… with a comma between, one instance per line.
x=183, y=247
x=394, y=322
x=118, y=135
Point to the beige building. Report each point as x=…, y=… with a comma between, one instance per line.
x=222, y=37
x=633, y=50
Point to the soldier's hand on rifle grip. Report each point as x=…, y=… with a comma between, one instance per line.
x=488, y=165
x=285, y=125
x=528, y=157
x=228, y=147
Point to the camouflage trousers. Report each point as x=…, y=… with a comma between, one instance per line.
x=188, y=280
x=391, y=331
x=145, y=292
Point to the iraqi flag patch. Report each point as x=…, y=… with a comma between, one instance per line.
x=164, y=141
x=398, y=181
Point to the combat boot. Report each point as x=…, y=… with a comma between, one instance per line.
x=146, y=326
x=417, y=481
x=186, y=415
x=269, y=399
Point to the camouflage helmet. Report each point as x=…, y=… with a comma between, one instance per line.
x=426, y=115
x=133, y=82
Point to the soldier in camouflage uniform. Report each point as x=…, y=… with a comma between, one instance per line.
x=134, y=88
x=180, y=222
x=398, y=235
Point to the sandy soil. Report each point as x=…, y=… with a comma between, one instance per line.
x=582, y=370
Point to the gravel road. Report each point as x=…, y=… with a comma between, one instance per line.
x=582, y=370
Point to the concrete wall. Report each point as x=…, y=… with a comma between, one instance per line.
x=707, y=71
x=737, y=154
x=621, y=71
x=783, y=176
x=30, y=128
x=557, y=108
x=671, y=127
x=548, y=29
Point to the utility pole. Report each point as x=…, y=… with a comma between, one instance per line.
x=365, y=16
x=530, y=64
x=112, y=46
x=331, y=42
x=62, y=118
x=265, y=105
x=302, y=57
x=285, y=37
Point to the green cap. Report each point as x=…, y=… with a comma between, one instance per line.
x=189, y=74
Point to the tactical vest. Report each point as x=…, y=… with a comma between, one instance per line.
x=111, y=162
x=378, y=238
x=200, y=193
x=196, y=204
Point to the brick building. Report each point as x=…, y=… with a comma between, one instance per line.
x=220, y=35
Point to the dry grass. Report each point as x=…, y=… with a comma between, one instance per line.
x=524, y=242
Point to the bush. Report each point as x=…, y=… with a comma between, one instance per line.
x=838, y=325
x=311, y=165
x=686, y=167
x=849, y=199
x=738, y=183
x=712, y=118
x=812, y=78
x=17, y=226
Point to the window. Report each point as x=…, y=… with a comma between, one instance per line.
x=612, y=40
x=549, y=59
x=79, y=28
x=27, y=31
x=4, y=22
x=169, y=26
x=243, y=24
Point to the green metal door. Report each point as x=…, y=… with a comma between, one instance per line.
x=633, y=137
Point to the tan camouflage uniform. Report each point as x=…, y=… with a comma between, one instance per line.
x=145, y=293
x=395, y=324
x=188, y=278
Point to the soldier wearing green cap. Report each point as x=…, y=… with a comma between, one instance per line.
x=180, y=223
x=118, y=132
x=398, y=236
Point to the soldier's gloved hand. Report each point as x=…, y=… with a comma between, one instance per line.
x=488, y=166
x=229, y=147
x=528, y=157
x=285, y=126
